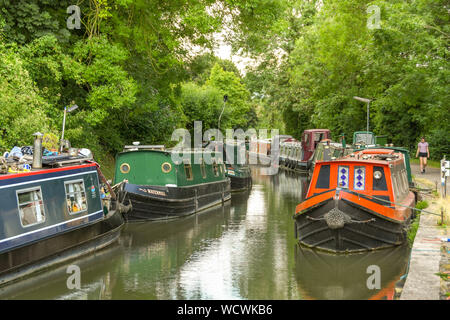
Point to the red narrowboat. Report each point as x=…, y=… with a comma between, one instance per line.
x=359, y=202
x=296, y=155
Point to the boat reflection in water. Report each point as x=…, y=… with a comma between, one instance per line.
x=326, y=276
x=97, y=279
x=156, y=251
x=290, y=184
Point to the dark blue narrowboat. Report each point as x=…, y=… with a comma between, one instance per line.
x=52, y=212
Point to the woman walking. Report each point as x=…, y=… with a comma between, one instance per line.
x=423, y=153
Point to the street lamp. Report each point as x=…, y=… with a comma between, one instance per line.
x=368, y=106
x=66, y=110
x=225, y=98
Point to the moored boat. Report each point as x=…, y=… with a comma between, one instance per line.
x=355, y=203
x=236, y=165
x=52, y=211
x=327, y=150
x=296, y=155
x=163, y=184
x=260, y=152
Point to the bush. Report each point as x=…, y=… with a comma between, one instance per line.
x=439, y=142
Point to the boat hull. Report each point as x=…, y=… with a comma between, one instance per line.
x=37, y=256
x=163, y=203
x=240, y=183
x=295, y=165
x=342, y=226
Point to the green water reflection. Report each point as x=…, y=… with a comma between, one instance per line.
x=244, y=250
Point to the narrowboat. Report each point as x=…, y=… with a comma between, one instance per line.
x=53, y=210
x=297, y=155
x=236, y=165
x=328, y=150
x=261, y=152
x=356, y=203
x=163, y=184
x=266, y=152
x=290, y=154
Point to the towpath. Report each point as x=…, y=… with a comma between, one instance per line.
x=422, y=282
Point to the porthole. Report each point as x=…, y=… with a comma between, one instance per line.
x=124, y=168
x=166, y=167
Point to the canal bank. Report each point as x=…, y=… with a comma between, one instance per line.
x=429, y=261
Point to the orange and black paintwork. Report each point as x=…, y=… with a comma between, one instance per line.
x=366, y=207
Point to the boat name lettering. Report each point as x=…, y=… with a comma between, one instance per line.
x=155, y=192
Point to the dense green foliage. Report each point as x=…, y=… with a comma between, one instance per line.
x=402, y=66
x=132, y=70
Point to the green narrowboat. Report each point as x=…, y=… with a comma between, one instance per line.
x=165, y=184
x=237, y=168
x=328, y=150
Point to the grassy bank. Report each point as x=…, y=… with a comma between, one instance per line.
x=415, y=222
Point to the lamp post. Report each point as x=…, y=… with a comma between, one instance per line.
x=225, y=99
x=368, y=107
x=66, y=110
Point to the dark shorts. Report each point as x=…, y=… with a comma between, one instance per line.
x=423, y=155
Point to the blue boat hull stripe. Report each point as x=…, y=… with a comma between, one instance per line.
x=39, y=180
x=52, y=226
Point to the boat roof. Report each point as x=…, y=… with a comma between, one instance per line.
x=10, y=167
x=371, y=156
x=167, y=151
x=144, y=147
x=315, y=130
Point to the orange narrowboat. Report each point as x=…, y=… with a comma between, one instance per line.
x=359, y=202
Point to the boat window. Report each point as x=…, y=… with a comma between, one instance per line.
x=359, y=178
x=379, y=179
x=343, y=177
x=203, y=169
x=323, y=180
x=405, y=181
x=124, y=168
x=396, y=186
x=31, y=207
x=188, y=172
x=75, y=197
x=166, y=167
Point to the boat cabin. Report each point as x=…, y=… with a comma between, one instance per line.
x=310, y=139
x=156, y=167
x=372, y=172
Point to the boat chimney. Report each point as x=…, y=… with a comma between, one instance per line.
x=37, y=150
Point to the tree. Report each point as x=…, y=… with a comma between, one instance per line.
x=21, y=106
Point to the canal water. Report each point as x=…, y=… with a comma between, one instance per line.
x=245, y=250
